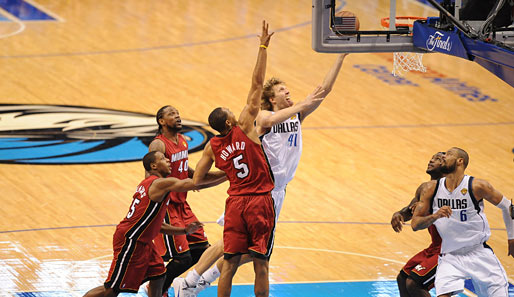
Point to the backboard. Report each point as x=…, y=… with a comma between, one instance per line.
x=325, y=40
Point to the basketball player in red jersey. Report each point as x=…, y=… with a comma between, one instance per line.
x=249, y=210
x=418, y=275
x=180, y=250
x=135, y=256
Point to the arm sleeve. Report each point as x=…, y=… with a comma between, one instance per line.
x=505, y=206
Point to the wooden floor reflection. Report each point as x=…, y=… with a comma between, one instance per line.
x=365, y=149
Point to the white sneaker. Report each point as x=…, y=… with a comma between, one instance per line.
x=201, y=285
x=182, y=289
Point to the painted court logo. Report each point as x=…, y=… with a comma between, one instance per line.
x=58, y=134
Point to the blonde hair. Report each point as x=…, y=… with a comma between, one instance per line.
x=268, y=93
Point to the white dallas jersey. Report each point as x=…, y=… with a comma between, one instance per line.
x=467, y=226
x=283, y=147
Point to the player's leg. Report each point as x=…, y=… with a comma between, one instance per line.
x=415, y=289
x=450, y=275
x=421, y=278
x=209, y=257
x=193, y=283
x=155, y=287
x=235, y=240
x=488, y=275
x=227, y=274
x=260, y=218
x=177, y=247
x=101, y=291
x=401, y=280
x=176, y=267
x=261, y=268
x=197, y=250
x=155, y=272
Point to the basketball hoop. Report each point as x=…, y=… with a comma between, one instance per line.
x=404, y=62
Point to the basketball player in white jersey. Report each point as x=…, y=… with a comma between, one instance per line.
x=279, y=127
x=455, y=205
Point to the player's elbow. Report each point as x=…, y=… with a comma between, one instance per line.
x=197, y=180
x=415, y=225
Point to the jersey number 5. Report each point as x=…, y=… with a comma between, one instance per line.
x=242, y=166
x=133, y=208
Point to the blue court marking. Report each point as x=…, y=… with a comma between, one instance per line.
x=132, y=150
x=325, y=289
x=24, y=11
x=10, y=143
x=332, y=289
x=54, y=150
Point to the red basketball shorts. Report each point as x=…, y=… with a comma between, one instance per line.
x=422, y=267
x=133, y=263
x=249, y=226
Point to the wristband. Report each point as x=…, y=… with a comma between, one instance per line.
x=263, y=46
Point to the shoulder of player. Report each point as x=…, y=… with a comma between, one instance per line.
x=428, y=186
x=263, y=118
x=157, y=145
x=480, y=186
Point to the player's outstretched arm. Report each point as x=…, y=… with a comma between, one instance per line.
x=328, y=83
x=250, y=111
x=421, y=219
x=213, y=178
x=483, y=189
x=161, y=186
x=204, y=165
x=267, y=119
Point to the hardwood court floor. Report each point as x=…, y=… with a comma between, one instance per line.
x=365, y=149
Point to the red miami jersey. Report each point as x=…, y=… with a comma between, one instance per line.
x=177, y=153
x=244, y=162
x=144, y=218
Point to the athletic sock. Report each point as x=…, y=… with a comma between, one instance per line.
x=192, y=278
x=211, y=274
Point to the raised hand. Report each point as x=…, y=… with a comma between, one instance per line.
x=265, y=36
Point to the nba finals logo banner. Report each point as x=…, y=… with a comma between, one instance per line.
x=58, y=134
x=427, y=37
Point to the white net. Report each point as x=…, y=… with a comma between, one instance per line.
x=406, y=61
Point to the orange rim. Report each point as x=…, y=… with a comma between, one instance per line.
x=401, y=21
